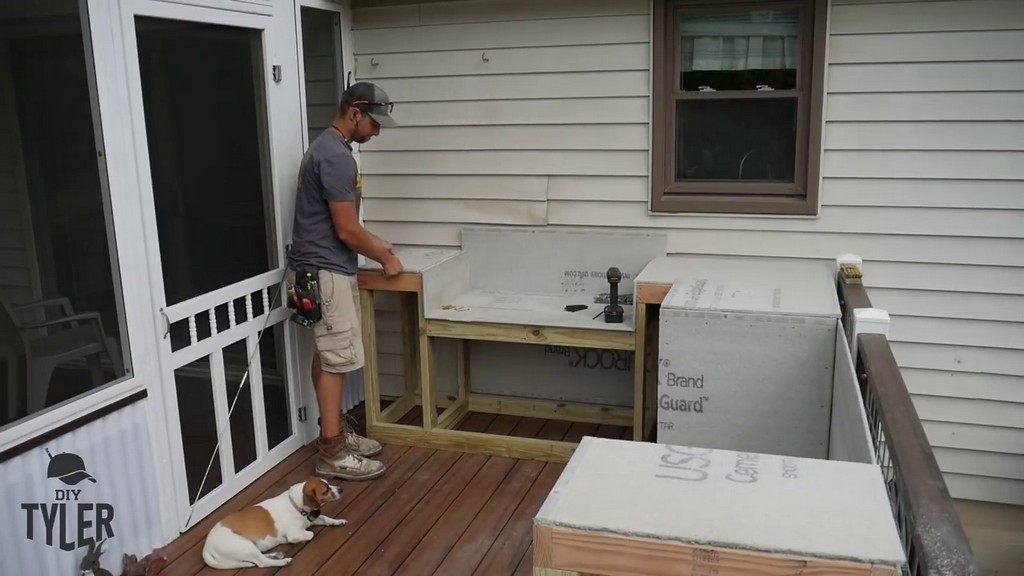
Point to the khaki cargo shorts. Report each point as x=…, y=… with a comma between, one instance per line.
x=338, y=336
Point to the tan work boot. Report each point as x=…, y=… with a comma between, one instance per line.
x=334, y=459
x=360, y=445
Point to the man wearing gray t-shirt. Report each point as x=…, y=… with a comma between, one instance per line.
x=326, y=240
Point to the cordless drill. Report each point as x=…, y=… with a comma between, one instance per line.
x=613, y=312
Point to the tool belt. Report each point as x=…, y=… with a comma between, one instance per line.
x=305, y=298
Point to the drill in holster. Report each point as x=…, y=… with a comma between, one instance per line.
x=305, y=298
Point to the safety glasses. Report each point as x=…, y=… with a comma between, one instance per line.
x=389, y=106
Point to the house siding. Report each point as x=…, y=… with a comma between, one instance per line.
x=320, y=72
x=547, y=123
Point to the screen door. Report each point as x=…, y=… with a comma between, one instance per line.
x=201, y=90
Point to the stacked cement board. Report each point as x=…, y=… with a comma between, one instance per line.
x=624, y=508
x=747, y=357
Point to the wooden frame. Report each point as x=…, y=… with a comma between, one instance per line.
x=799, y=198
x=439, y=430
x=559, y=551
x=647, y=300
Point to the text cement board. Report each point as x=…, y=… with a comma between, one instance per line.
x=746, y=382
x=727, y=499
x=746, y=361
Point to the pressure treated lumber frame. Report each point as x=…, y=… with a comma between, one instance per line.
x=647, y=301
x=559, y=551
x=438, y=430
x=409, y=287
x=536, y=449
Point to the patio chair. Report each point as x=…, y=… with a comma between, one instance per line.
x=46, y=343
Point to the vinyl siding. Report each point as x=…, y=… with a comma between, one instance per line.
x=546, y=122
x=320, y=70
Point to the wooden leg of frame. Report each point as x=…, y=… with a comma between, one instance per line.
x=371, y=383
x=460, y=408
x=410, y=343
x=639, y=368
x=463, y=376
x=428, y=385
x=650, y=367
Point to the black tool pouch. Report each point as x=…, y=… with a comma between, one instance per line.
x=306, y=299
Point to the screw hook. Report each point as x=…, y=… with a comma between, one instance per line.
x=483, y=56
x=373, y=62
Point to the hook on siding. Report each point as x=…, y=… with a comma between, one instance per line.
x=483, y=56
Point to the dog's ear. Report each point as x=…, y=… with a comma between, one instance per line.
x=322, y=491
x=309, y=498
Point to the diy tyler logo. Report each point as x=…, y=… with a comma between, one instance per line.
x=68, y=522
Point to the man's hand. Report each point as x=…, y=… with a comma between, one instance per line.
x=392, y=266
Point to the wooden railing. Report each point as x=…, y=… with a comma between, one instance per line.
x=932, y=534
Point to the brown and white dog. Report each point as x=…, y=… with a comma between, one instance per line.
x=241, y=539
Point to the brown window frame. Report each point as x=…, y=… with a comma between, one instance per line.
x=798, y=198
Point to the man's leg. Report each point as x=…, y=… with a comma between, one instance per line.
x=338, y=352
x=330, y=389
x=331, y=427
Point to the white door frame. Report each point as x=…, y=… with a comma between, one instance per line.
x=344, y=51
x=162, y=315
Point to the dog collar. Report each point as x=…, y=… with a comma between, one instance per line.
x=312, y=514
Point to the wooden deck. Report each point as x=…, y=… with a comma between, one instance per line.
x=433, y=512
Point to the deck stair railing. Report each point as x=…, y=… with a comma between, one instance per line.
x=933, y=536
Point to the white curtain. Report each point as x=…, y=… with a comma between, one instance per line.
x=766, y=40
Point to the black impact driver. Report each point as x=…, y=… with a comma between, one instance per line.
x=613, y=312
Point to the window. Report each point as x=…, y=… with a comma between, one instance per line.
x=322, y=67
x=62, y=329
x=737, y=106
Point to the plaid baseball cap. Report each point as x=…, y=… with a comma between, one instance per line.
x=369, y=98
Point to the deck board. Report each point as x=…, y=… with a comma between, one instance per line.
x=434, y=512
x=511, y=544
x=478, y=525
x=393, y=551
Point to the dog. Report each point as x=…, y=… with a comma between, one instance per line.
x=242, y=539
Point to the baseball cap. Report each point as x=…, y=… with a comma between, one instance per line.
x=369, y=98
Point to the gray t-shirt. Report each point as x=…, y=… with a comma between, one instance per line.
x=328, y=173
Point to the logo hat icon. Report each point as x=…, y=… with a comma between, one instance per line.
x=68, y=468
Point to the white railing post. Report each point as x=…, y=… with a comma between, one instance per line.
x=867, y=321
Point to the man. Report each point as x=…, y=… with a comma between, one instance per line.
x=326, y=238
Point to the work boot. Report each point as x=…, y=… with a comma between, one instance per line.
x=359, y=444
x=334, y=459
